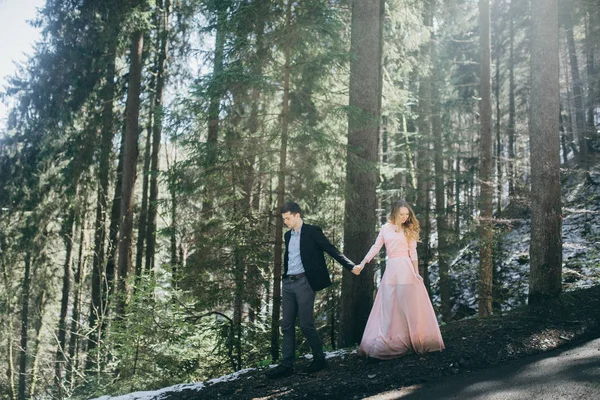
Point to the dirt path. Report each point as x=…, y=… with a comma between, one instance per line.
x=570, y=373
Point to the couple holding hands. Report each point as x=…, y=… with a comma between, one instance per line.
x=402, y=319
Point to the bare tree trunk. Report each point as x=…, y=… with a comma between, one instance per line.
x=546, y=240
x=67, y=233
x=143, y=217
x=440, y=189
x=360, y=219
x=281, y=190
x=571, y=129
x=577, y=85
x=499, y=183
x=24, y=326
x=485, y=166
x=253, y=124
x=78, y=281
x=511, y=107
x=592, y=79
x=215, y=93
x=7, y=281
x=563, y=136
x=158, y=104
x=37, y=328
x=97, y=295
x=458, y=179
x=423, y=204
x=130, y=155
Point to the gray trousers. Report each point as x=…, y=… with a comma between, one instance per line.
x=299, y=301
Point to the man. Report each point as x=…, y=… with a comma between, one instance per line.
x=304, y=273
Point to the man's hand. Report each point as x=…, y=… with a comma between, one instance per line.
x=357, y=269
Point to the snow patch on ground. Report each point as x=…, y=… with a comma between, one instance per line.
x=196, y=387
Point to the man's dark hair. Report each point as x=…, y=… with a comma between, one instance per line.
x=290, y=207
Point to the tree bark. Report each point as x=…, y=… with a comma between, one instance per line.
x=156, y=137
x=511, y=107
x=130, y=156
x=97, y=284
x=546, y=219
x=592, y=79
x=10, y=372
x=68, y=234
x=215, y=93
x=37, y=328
x=499, y=183
x=24, y=326
x=360, y=219
x=281, y=189
x=143, y=217
x=485, y=166
x=577, y=85
x=78, y=281
x=423, y=203
x=440, y=190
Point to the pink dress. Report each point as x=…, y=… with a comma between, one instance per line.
x=402, y=319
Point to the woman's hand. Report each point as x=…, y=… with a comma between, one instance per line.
x=358, y=268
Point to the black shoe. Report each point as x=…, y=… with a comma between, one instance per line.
x=281, y=371
x=316, y=365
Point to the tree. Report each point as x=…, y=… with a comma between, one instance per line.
x=163, y=36
x=281, y=173
x=485, y=165
x=130, y=155
x=360, y=218
x=546, y=220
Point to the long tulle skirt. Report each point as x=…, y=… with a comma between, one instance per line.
x=402, y=319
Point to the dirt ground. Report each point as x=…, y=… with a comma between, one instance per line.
x=471, y=344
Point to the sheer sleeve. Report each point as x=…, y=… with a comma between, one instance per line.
x=375, y=248
x=412, y=249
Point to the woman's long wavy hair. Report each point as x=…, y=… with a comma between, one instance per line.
x=411, y=226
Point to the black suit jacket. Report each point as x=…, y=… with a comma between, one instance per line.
x=312, y=245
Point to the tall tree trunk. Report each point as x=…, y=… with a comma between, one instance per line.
x=440, y=190
x=458, y=179
x=10, y=372
x=563, y=136
x=37, y=328
x=143, y=217
x=411, y=178
x=156, y=136
x=108, y=283
x=78, y=281
x=68, y=234
x=104, y=167
x=571, y=129
x=281, y=189
x=25, y=293
x=254, y=301
x=485, y=166
x=577, y=85
x=592, y=79
x=360, y=218
x=511, y=106
x=423, y=204
x=215, y=94
x=499, y=183
x=546, y=241
x=130, y=155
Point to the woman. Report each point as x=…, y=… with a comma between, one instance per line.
x=402, y=319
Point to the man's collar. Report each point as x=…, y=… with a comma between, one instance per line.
x=299, y=229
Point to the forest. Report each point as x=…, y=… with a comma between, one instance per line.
x=150, y=144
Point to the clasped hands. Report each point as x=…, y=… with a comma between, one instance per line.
x=358, y=268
